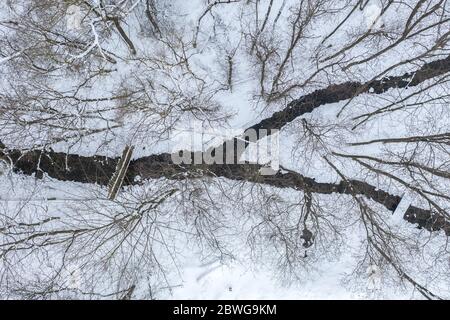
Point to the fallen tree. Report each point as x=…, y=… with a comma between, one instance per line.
x=99, y=169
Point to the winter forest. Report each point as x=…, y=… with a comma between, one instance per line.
x=224, y=149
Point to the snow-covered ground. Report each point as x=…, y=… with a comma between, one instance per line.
x=206, y=243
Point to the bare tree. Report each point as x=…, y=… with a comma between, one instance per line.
x=362, y=97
